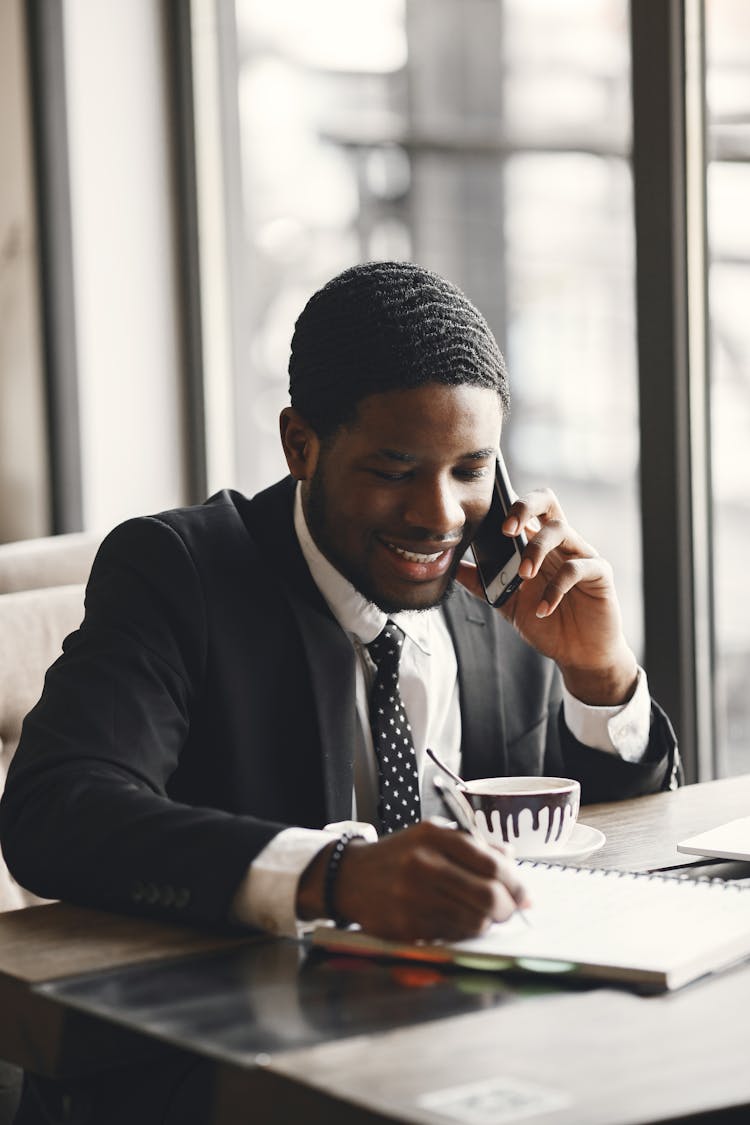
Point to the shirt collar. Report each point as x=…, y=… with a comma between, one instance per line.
x=354, y=613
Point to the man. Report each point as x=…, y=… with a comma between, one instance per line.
x=217, y=709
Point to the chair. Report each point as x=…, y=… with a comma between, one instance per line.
x=41, y=601
x=33, y=624
x=56, y=560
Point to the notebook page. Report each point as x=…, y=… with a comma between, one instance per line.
x=649, y=923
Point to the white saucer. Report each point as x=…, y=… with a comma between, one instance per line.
x=582, y=841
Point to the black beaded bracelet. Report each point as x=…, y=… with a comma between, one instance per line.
x=331, y=875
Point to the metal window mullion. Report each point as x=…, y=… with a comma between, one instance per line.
x=46, y=54
x=668, y=171
x=709, y=753
x=178, y=40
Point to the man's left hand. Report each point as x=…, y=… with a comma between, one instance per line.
x=567, y=606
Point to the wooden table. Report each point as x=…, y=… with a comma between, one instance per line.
x=345, y=1043
x=61, y=942
x=642, y=834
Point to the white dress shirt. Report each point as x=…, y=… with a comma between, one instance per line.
x=428, y=684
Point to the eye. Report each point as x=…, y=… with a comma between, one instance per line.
x=381, y=475
x=471, y=474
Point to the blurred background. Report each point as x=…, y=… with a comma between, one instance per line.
x=179, y=177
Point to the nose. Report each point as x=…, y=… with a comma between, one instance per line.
x=434, y=506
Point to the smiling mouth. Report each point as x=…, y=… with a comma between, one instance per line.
x=417, y=556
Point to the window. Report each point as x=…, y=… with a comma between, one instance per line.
x=728, y=97
x=487, y=141
x=494, y=141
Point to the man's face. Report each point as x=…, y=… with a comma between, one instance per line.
x=394, y=499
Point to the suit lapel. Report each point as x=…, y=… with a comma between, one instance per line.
x=331, y=661
x=328, y=650
x=483, y=750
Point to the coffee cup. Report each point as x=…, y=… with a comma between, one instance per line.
x=533, y=814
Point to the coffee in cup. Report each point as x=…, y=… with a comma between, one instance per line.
x=534, y=814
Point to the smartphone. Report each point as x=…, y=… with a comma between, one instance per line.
x=498, y=556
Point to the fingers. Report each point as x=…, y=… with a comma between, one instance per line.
x=557, y=552
x=552, y=544
x=428, y=882
x=532, y=511
x=476, y=856
x=461, y=904
x=555, y=534
x=483, y=900
x=449, y=918
x=594, y=574
x=482, y=879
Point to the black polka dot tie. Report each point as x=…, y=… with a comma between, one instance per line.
x=398, y=776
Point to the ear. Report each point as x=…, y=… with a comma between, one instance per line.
x=301, y=443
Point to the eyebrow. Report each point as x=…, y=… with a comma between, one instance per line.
x=410, y=459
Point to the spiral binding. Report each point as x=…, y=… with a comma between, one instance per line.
x=646, y=876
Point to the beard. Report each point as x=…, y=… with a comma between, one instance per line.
x=319, y=523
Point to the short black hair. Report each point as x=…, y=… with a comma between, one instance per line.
x=385, y=326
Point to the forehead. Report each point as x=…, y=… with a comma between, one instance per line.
x=449, y=420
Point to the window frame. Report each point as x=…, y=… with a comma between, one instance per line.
x=669, y=185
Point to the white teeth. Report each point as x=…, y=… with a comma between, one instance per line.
x=412, y=556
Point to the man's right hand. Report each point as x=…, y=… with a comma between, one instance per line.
x=424, y=882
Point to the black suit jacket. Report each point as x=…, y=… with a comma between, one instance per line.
x=207, y=701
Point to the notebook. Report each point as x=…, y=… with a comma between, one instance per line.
x=652, y=931
x=728, y=841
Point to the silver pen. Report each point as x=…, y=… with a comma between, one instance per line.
x=454, y=802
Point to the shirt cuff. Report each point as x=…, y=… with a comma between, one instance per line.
x=622, y=730
x=267, y=896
